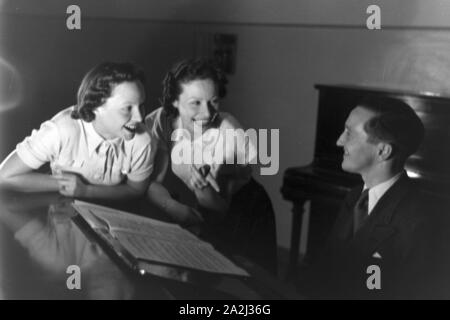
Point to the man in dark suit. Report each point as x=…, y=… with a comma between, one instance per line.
x=383, y=241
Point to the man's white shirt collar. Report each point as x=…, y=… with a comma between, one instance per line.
x=376, y=192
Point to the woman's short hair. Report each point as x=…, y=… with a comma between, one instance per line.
x=98, y=84
x=186, y=71
x=396, y=123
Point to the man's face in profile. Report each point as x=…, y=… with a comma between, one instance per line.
x=359, y=153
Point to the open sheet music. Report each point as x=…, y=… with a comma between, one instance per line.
x=156, y=241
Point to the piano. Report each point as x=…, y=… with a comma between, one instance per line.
x=325, y=184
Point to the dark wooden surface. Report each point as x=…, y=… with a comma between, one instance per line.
x=41, y=235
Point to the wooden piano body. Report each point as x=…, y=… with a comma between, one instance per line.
x=323, y=182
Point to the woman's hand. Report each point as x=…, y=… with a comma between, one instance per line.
x=71, y=185
x=200, y=181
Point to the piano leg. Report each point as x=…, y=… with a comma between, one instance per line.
x=297, y=217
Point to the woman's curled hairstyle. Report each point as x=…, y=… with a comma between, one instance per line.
x=98, y=84
x=186, y=71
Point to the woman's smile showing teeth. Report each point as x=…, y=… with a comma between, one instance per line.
x=130, y=131
x=131, y=128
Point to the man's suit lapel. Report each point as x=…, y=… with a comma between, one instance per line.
x=378, y=226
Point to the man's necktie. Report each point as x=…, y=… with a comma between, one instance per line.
x=361, y=210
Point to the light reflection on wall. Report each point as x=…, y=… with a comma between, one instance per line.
x=11, y=92
x=10, y=86
x=419, y=61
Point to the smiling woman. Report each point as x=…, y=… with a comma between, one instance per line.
x=120, y=115
x=219, y=198
x=96, y=149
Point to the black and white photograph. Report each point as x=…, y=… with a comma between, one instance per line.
x=242, y=151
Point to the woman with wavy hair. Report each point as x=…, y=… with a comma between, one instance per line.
x=194, y=145
x=97, y=148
